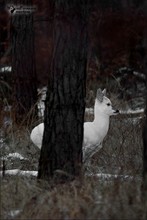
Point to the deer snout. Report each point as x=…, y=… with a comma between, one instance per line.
x=116, y=111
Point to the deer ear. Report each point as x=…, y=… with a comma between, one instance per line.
x=104, y=92
x=99, y=95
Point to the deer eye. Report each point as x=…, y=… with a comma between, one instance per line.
x=108, y=104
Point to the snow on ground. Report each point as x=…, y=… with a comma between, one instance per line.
x=14, y=156
x=41, y=107
x=19, y=172
x=13, y=213
x=130, y=111
x=41, y=101
x=6, y=69
x=89, y=111
x=102, y=176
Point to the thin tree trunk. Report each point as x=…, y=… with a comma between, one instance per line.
x=145, y=136
x=145, y=152
x=23, y=66
x=144, y=56
x=65, y=103
x=144, y=188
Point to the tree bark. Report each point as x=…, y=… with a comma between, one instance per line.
x=145, y=153
x=144, y=192
x=23, y=66
x=65, y=102
x=144, y=56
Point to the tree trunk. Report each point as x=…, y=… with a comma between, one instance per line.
x=145, y=152
x=144, y=192
x=65, y=103
x=144, y=56
x=145, y=134
x=23, y=66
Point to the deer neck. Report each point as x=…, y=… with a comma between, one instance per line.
x=101, y=121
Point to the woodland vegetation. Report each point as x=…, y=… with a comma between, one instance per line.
x=108, y=41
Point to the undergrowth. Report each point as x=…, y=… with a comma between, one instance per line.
x=89, y=197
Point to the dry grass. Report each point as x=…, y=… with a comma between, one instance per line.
x=90, y=198
x=122, y=148
x=84, y=198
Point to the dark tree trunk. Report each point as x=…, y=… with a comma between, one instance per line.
x=144, y=185
x=145, y=152
x=145, y=125
x=65, y=104
x=23, y=65
x=143, y=52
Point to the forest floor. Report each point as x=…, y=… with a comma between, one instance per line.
x=110, y=188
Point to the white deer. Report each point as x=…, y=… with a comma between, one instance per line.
x=94, y=132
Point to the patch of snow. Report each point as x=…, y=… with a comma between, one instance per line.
x=42, y=92
x=41, y=108
x=140, y=75
x=134, y=120
x=104, y=176
x=14, y=155
x=19, y=172
x=7, y=108
x=123, y=68
x=41, y=101
x=130, y=111
x=6, y=69
x=89, y=110
x=1, y=141
x=14, y=213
